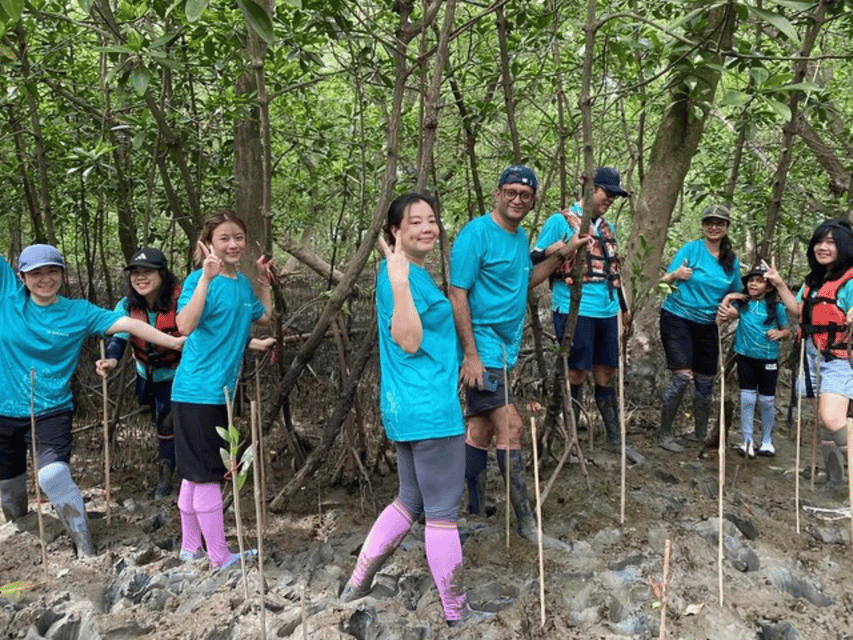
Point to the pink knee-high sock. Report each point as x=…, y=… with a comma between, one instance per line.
x=387, y=532
x=444, y=556
x=207, y=504
x=190, y=532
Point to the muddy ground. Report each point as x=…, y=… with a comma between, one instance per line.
x=777, y=583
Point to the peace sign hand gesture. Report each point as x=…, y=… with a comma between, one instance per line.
x=396, y=261
x=211, y=266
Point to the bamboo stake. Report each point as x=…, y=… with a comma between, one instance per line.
x=236, y=489
x=106, y=404
x=538, y=523
x=622, y=429
x=259, y=515
x=259, y=459
x=722, y=463
x=849, y=475
x=799, y=436
x=36, y=472
x=816, y=420
x=664, y=588
x=506, y=426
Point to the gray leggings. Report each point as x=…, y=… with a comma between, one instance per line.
x=432, y=474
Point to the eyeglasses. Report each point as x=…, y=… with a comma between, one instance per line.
x=512, y=194
x=715, y=222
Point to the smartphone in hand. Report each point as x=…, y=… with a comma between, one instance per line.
x=490, y=381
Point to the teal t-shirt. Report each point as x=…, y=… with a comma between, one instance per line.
x=418, y=396
x=493, y=266
x=157, y=375
x=845, y=295
x=47, y=339
x=598, y=299
x=751, y=335
x=213, y=352
x=697, y=299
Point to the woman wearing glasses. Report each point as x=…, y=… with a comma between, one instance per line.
x=702, y=273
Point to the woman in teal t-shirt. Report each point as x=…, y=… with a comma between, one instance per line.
x=702, y=273
x=215, y=311
x=420, y=408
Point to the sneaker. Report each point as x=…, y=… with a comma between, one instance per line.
x=750, y=450
x=235, y=557
x=186, y=556
x=472, y=616
x=350, y=592
x=743, y=449
x=767, y=450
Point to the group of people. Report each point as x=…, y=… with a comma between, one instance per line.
x=188, y=341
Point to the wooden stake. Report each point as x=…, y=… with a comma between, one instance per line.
x=849, y=474
x=506, y=426
x=259, y=451
x=259, y=515
x=622, y=429
x=722, y=462
x=538, y=522
x=36, y=471
x=106, y=406
x=799, y=435
x=236, y=489
x=664, y=589
x=816, y=418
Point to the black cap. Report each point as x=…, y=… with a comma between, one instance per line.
x=608, y=179
x=147, y=258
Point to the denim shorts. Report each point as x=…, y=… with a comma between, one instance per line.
x=836, y=375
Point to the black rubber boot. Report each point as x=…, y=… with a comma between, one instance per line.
x=833, y=463
x=577, y=398
x=702, y=399
x=164, y=478
x=476, y=461
x=524, y=518
x=605, y=400
x=13, y=497
x=672, y=395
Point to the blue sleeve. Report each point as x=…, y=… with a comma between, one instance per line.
x=736, y=285
x=845, y=296
x=384, y=299
x=188, y=288
x=552, y=231
x=683, y=254
x=8, y=280
x=464, y=259
x=99, y=320
x=122, y=308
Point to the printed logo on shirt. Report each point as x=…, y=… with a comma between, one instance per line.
x=58, y=333
x=771, y=366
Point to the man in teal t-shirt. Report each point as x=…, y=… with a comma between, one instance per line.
x=490, y=273
x=595, y=342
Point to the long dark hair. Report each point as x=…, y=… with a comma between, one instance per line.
x=726, y=259
x=164, y=301
x=397, y=210
x=842, y=233
x=771, y=297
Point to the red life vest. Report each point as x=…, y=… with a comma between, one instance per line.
x=151, y=355
x=602, y=260
x=823, y=319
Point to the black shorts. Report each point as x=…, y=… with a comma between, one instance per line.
x=197, y=443
x=753, y=374
x=479, y=401
x=53, y=442
x=689, y=345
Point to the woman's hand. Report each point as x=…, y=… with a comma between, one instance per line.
x=395, y=261
x=178, y=343
x=103, y=367
x=211, y=266
x=776, y=334
x=683, y=272
x=265, y=267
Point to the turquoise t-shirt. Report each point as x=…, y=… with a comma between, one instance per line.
x=751, y=335
x=598, y=299
x=47, y=339
x=418, y=396
x=697, y=299
x=213, y=352
x=845, y=295
x=157, y=375
x=493, y=265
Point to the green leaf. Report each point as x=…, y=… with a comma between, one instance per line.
x=86, y=5
x=258, y=20
x=777, y=20
x=296, y=4
x=139, y=79
x=233, y=434
x=226, y=458
x=241, y=479
x=736, y=98
x=247, y=458
x=12, y=10
x=223, y=433
x=194, y=9
x=781, y=109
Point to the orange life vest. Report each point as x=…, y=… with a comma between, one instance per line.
x=152, y=355
x=823, y=319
